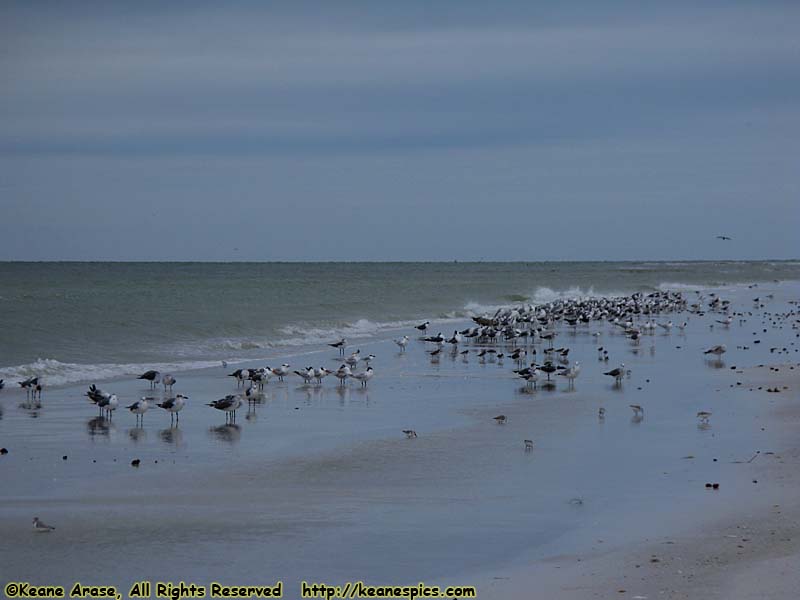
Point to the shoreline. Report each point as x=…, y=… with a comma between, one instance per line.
x=752, y=551
x=309, y=464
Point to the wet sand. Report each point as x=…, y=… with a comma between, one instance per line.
x=321, y=483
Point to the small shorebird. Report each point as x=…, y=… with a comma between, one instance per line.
x=601, y=413
x=716, y=350
x=410, y=433
x=340, y=345
x=168, y=381
x=500, y=419
x=364, y=376
x=154, y=377
x=637, y=410
x=402, y=342
x=228, y=405
x=139, y=408
x=423, y=326
x=528, y=445
x=368, y=359
x=40, y=527
x=174, y=406
x=704, y=415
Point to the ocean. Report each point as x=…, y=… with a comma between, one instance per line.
x=73, y=322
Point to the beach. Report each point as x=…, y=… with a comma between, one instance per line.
x=319, y=483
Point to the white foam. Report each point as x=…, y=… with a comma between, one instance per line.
x=53, y=372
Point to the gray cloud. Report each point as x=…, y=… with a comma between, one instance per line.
x=321, y=130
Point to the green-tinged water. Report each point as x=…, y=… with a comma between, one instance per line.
x=74, y=321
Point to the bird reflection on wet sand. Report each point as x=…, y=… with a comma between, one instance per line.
x=229, y=433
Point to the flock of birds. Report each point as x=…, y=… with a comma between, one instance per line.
x=511, y=333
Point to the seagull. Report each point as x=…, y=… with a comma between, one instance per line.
x=402, y=342
x=572, y=373
x=666, y=326
x=548, y=368
x=108, y=404
x=174, y=406
x=340, y=345
x=369, y=359
x=40, y=527
x=410, y=433
x=423, y=326
x=717, y=350
x=153, y=377
x=617, y=373
x=364, y=376
x=703, y=415
x=168, y=381
x=240, y=375
x=29, y=384
x=228, y=404
x=139, y=408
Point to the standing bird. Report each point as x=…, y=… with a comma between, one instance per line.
x=307, y=375
x=364, y=376
x=572, y=373
x=353, y=359
x=174, y=406
x=410, y=433
x=321, y=373
x=424, y=326
x=617, y=373
x=402, y=342
x=342, y=373
x=108, y=404
x=281, y=372
x=168, y=380
x=139, y=408
x=152, y=376
x=704, y=415
x=228, y=405
x=339, y=345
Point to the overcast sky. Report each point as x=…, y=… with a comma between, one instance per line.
x=399, y=130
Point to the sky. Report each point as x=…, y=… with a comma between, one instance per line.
x=414, y=130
